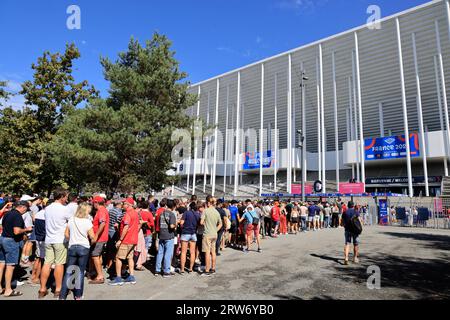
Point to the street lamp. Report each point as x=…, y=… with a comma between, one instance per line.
x=301, y=133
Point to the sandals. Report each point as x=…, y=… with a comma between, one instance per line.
x=14, y=293
x=99, y=281
x=42, y=294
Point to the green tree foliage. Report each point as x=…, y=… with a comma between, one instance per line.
x=19, y=151
x=53, y=93
x=127, y=136
x=3, y=94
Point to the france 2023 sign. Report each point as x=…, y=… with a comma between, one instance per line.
x=391, y=147
x=252, y=160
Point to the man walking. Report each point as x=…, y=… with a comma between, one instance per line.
x=213, y=223
x=351, y=235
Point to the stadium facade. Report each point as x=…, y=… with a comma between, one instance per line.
x=354, y=96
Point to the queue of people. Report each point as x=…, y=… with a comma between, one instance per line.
x=107, y=240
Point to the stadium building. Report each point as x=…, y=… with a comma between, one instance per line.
x=340, y=108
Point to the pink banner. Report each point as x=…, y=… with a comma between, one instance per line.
x=297, y=189
x=351, y=188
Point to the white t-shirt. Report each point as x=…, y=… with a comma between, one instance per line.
x=27, y=219
x=72, y=207
x=56, y=217
x=78, y=229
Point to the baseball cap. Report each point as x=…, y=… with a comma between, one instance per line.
x=26, y=197
x=129, y=201
x=98, y=199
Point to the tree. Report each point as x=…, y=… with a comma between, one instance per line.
x=19, y=151
x=128, y=134
x=3, y=93
x=54, y=93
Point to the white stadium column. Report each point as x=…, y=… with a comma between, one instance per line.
x=441, y=119
x=350, y=119
x=405, y=110
x=189, y=162
x=261, y=137
x=276, y=153
x=420, y=116
x=381, y=116
x=196, y=143
x=355, y=116
x=289, y=127
x=361, y=131
x=225, y=157
x=237, y=146
x=443, y=84
x=216, y=134
x=305, y=162
x=206, y=153
x=319, y=145
x=322, y=120
x=336, y=128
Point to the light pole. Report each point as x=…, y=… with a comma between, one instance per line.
x=302, y=132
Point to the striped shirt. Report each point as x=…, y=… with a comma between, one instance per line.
x=115, y=216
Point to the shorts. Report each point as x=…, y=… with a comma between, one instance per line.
x=209, y=244
x=321, y=218
x=310, y=218
x=55, y=253
x=275, y=223
x=316, y=218
x=125, y=251
x=349, y=237
x=9, y=251
x=97, y=249
x=294, y=219
x=40, y=249
x=252, y=229
x=189, y=237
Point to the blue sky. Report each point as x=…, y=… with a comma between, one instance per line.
x=209, y=36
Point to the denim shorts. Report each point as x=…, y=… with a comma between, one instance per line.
x=189, y=237
x=349, y=237
x=9, y=251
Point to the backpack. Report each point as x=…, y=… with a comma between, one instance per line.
x=355, y=225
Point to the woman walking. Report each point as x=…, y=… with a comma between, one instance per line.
x=79, y=229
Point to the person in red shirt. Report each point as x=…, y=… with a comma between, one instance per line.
x=129, y=231
x=145, y=234
x=101, y=224
x=276, y=212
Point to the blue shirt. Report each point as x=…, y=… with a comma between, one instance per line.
x=313, y=210
x=347, y=216
x=248, y=216
x=233, y=212
x=191, y=220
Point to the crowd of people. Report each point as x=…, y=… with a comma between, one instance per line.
x=67, y=238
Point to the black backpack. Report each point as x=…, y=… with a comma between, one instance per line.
x=355, y=225
x=255, y=219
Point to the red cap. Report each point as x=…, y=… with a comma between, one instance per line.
x=98, y=199
x=129, y=201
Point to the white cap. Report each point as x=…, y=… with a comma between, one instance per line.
x=26, y=197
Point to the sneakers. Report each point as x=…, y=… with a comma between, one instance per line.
x=259, y=250
x=346, y=262
x=130, y=280
x=206, y=274
x=356, y=260
x=116, y=282
x=245, y=250
x=167, y=275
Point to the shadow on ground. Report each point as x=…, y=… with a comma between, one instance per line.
x=432, y=241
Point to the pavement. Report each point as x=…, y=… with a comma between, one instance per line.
x=414, y=263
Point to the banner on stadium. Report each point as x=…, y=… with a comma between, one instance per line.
x=352, y=188
x=297, y=189
x=391, y=147
x=252, y=160
x=383, y=211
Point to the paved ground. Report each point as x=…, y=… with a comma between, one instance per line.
x=414, y=264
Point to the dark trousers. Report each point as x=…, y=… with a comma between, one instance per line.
x=335, y=220
x=268, y=226
x=219, y=240
x=77, y=260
